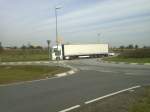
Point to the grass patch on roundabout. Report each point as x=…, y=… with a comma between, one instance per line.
x=18, y=73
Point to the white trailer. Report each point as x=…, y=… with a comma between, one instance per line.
x=79, y=51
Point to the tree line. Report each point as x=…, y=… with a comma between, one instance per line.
x=29, y=46
x=131, y=46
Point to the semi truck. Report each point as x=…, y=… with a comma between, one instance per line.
x=73, y=51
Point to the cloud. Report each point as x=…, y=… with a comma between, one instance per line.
x=77, y=18
x=101, y=13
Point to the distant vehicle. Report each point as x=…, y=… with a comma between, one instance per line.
x=72, y=51
x=111, y=54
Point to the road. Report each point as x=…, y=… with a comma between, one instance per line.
x=94, y=79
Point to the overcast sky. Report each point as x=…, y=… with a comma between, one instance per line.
x=117, y=22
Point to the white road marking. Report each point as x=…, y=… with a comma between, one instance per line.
x=111, y=94
x=71, y=108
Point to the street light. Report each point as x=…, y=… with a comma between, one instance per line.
x=56, y=8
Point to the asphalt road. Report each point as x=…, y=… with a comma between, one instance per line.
x=94, y=79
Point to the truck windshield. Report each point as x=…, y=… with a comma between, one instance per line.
x=57, y=52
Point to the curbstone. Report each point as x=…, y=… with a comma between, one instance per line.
x=61, y=74
x=71, y=72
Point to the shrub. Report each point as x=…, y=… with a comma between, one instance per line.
x=136, y=53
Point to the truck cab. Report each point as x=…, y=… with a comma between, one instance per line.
x=57, y=52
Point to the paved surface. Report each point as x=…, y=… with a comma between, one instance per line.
x=94, y=79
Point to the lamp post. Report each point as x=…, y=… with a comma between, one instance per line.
x=56, y=8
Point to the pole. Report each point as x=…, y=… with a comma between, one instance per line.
x=56, y=28
x=56, y=8
x=56, y=33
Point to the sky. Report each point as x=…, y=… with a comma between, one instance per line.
x=116, y=22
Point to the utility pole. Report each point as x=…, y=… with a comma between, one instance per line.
x=57, y=8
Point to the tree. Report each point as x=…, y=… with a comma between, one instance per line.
x=30, y=46
x=136, y=46
x=146, y=47
x=121, y=47
x=130, y=46
x=23, y=47
x=1, y=47
x=14, y=47
x=39, y=47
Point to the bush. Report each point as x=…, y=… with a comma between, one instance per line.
x=136, y=53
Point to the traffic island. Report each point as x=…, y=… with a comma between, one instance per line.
x=18, y=73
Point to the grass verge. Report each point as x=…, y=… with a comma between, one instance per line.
x=143, y=103
x=128, y=60
x=129, y=101
x=23, y=55
x=10, y=74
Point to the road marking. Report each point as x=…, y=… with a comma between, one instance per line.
x=71, y=108
x=111, y=94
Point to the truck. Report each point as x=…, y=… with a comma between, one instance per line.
x=73, y=51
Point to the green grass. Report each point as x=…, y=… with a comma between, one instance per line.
x=128, y=60
x=10, y=74
x=23, y=55
x=132, y=56
x=137, y=100
x=143, y=104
